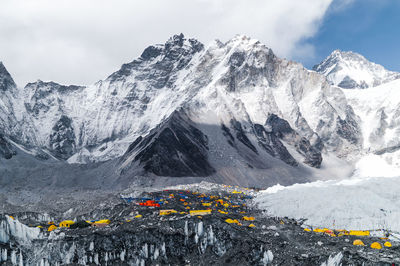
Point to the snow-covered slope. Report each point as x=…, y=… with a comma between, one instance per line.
x=350, y=70
x=244, y=110
x=238, y=88
x=241, y=80
x=98, y=122
x=369, y=200
x=355, y=204
x=249, y=116
x=379, y=110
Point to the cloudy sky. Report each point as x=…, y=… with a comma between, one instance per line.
x=82, y=41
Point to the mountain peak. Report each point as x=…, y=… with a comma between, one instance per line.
x=244, y=41
x=350, y=70
x=348, y=56
x=177, y=39
x=6, y=81
x=177, y=49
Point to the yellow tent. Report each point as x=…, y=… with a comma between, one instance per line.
x=105, y=221
x=376, y=245
x=358, y=242
x=167, y=212
x=66, y=223
x=246, y=218
x=230, y=221
x=388, y=244
x=359, y=233
x=200, y=212
x=51, y=228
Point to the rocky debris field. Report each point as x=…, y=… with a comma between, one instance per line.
x=180, y=227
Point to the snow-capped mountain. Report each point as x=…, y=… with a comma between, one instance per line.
x=229, y=111
x=350, y=70
x=248, y=106
x=242, y=78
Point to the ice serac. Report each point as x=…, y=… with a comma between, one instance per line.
x=350, y=70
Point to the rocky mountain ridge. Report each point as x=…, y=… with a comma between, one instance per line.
x=185, y=109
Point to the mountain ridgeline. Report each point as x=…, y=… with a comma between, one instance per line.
x=229, y=112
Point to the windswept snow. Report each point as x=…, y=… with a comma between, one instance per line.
x=354, y=204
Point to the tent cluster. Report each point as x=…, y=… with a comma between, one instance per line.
x=75, y=224
x=231, y=205
x=228, y=206
x=335, y=232
x=374, y=245
x=356, y=242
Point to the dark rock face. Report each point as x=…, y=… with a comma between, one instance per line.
x=348, y=128
x=6, y=149
x=151, y=52
x=348, y=83
x=241, y=135
x=281, y=128
x=6, y=81
x=176, y=148
x=227, y=133
x=388, y=150
x=271, y=143
x=235, y=135
x=62, y=139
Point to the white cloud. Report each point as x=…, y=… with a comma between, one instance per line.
x=75, y=41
